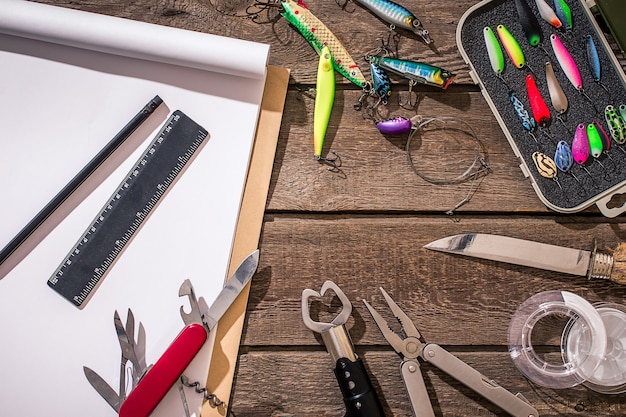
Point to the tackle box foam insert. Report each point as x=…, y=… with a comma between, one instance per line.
x=577, y=189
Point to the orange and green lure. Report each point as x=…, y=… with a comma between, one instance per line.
x=318, y=35
x=324, y=98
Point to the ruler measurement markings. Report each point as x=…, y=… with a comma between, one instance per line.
x=138, y=194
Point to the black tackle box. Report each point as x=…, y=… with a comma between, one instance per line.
x=600, y=180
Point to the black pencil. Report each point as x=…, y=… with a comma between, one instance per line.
x=80, y=178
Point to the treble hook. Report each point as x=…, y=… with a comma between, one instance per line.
x=334, y=163
x=411, y=105
x=344, y=6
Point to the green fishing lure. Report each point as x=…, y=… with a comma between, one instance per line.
x=511, y=46
x=318, y=35
x=324, y=98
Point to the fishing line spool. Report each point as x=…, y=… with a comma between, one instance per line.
x=592, y=342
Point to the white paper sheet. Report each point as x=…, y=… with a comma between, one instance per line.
x=60, y=104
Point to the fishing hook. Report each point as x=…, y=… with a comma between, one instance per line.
x=409, y=105
x=334, y=163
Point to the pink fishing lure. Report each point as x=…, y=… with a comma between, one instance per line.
x=580, y=145
x=566, y=62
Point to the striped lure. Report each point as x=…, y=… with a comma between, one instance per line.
x=415, y=71
x=318, y=35
x=397, y=15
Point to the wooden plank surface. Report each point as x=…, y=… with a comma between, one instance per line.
x=364, y=226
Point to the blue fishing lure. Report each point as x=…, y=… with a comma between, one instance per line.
x=381, y=84
x=563, y=157
x=528, y=122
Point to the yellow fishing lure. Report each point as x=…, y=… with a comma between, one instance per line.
x=324, y=98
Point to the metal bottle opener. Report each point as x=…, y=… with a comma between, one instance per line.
x=358, y=392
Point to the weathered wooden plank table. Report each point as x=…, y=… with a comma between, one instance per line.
x=364, y=227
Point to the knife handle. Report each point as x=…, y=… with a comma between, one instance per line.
x=618, y=274
x=151, y=389
x=358, y=392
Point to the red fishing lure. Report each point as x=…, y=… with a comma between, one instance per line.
x=540, y=110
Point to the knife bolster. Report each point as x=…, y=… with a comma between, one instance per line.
x=356, y=387
x=600, y=265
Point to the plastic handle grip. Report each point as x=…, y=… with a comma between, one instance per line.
x=358, y=392
x=144, y=398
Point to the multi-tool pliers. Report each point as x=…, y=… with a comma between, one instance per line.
x=413, y=347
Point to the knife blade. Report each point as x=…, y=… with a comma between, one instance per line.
x=102, y=388
x=590, y=264
x=231, y=290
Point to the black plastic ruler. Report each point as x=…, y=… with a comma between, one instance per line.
x=129, y=206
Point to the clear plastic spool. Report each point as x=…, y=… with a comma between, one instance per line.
x=610, y=375
x=569, y=370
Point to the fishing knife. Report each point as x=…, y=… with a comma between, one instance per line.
x=609, y=265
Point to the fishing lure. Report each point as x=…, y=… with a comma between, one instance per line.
x=513, y=50
x=622, y=111
x=580, y=145
x=415, y=71
x=563, y=156
x=617, y=128
x=568, y=65
x=529, y=23
x=545, y=166
x=324, y=98
x=557, y=95
x=318, y=35
x=397, y=16
x=564, y=13
x=594, y=62
x=566, y=62
x=547, y=14
x=496, y=57
x=595, y=141
x=395, y=126
x=528, y=122
x=381, y=84
x=606, y=141
x=538, y=106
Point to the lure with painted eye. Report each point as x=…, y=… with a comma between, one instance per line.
x=566, y=62
x=380, y=82
x=496, y=57
x=557, y=95
x=564, y=13
x=528, y=122
x=617, y=128
x=318, y=35
x=397, y=15
x=593, y=58
x=563, y=156
x=595, y=141
x=545, y=165
x=580, y=145
x=395, y=126
x=547, y=14
x=538, y=106
x=511, y=46
x=324, y=98
x=415, y=71
x=529, y=23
